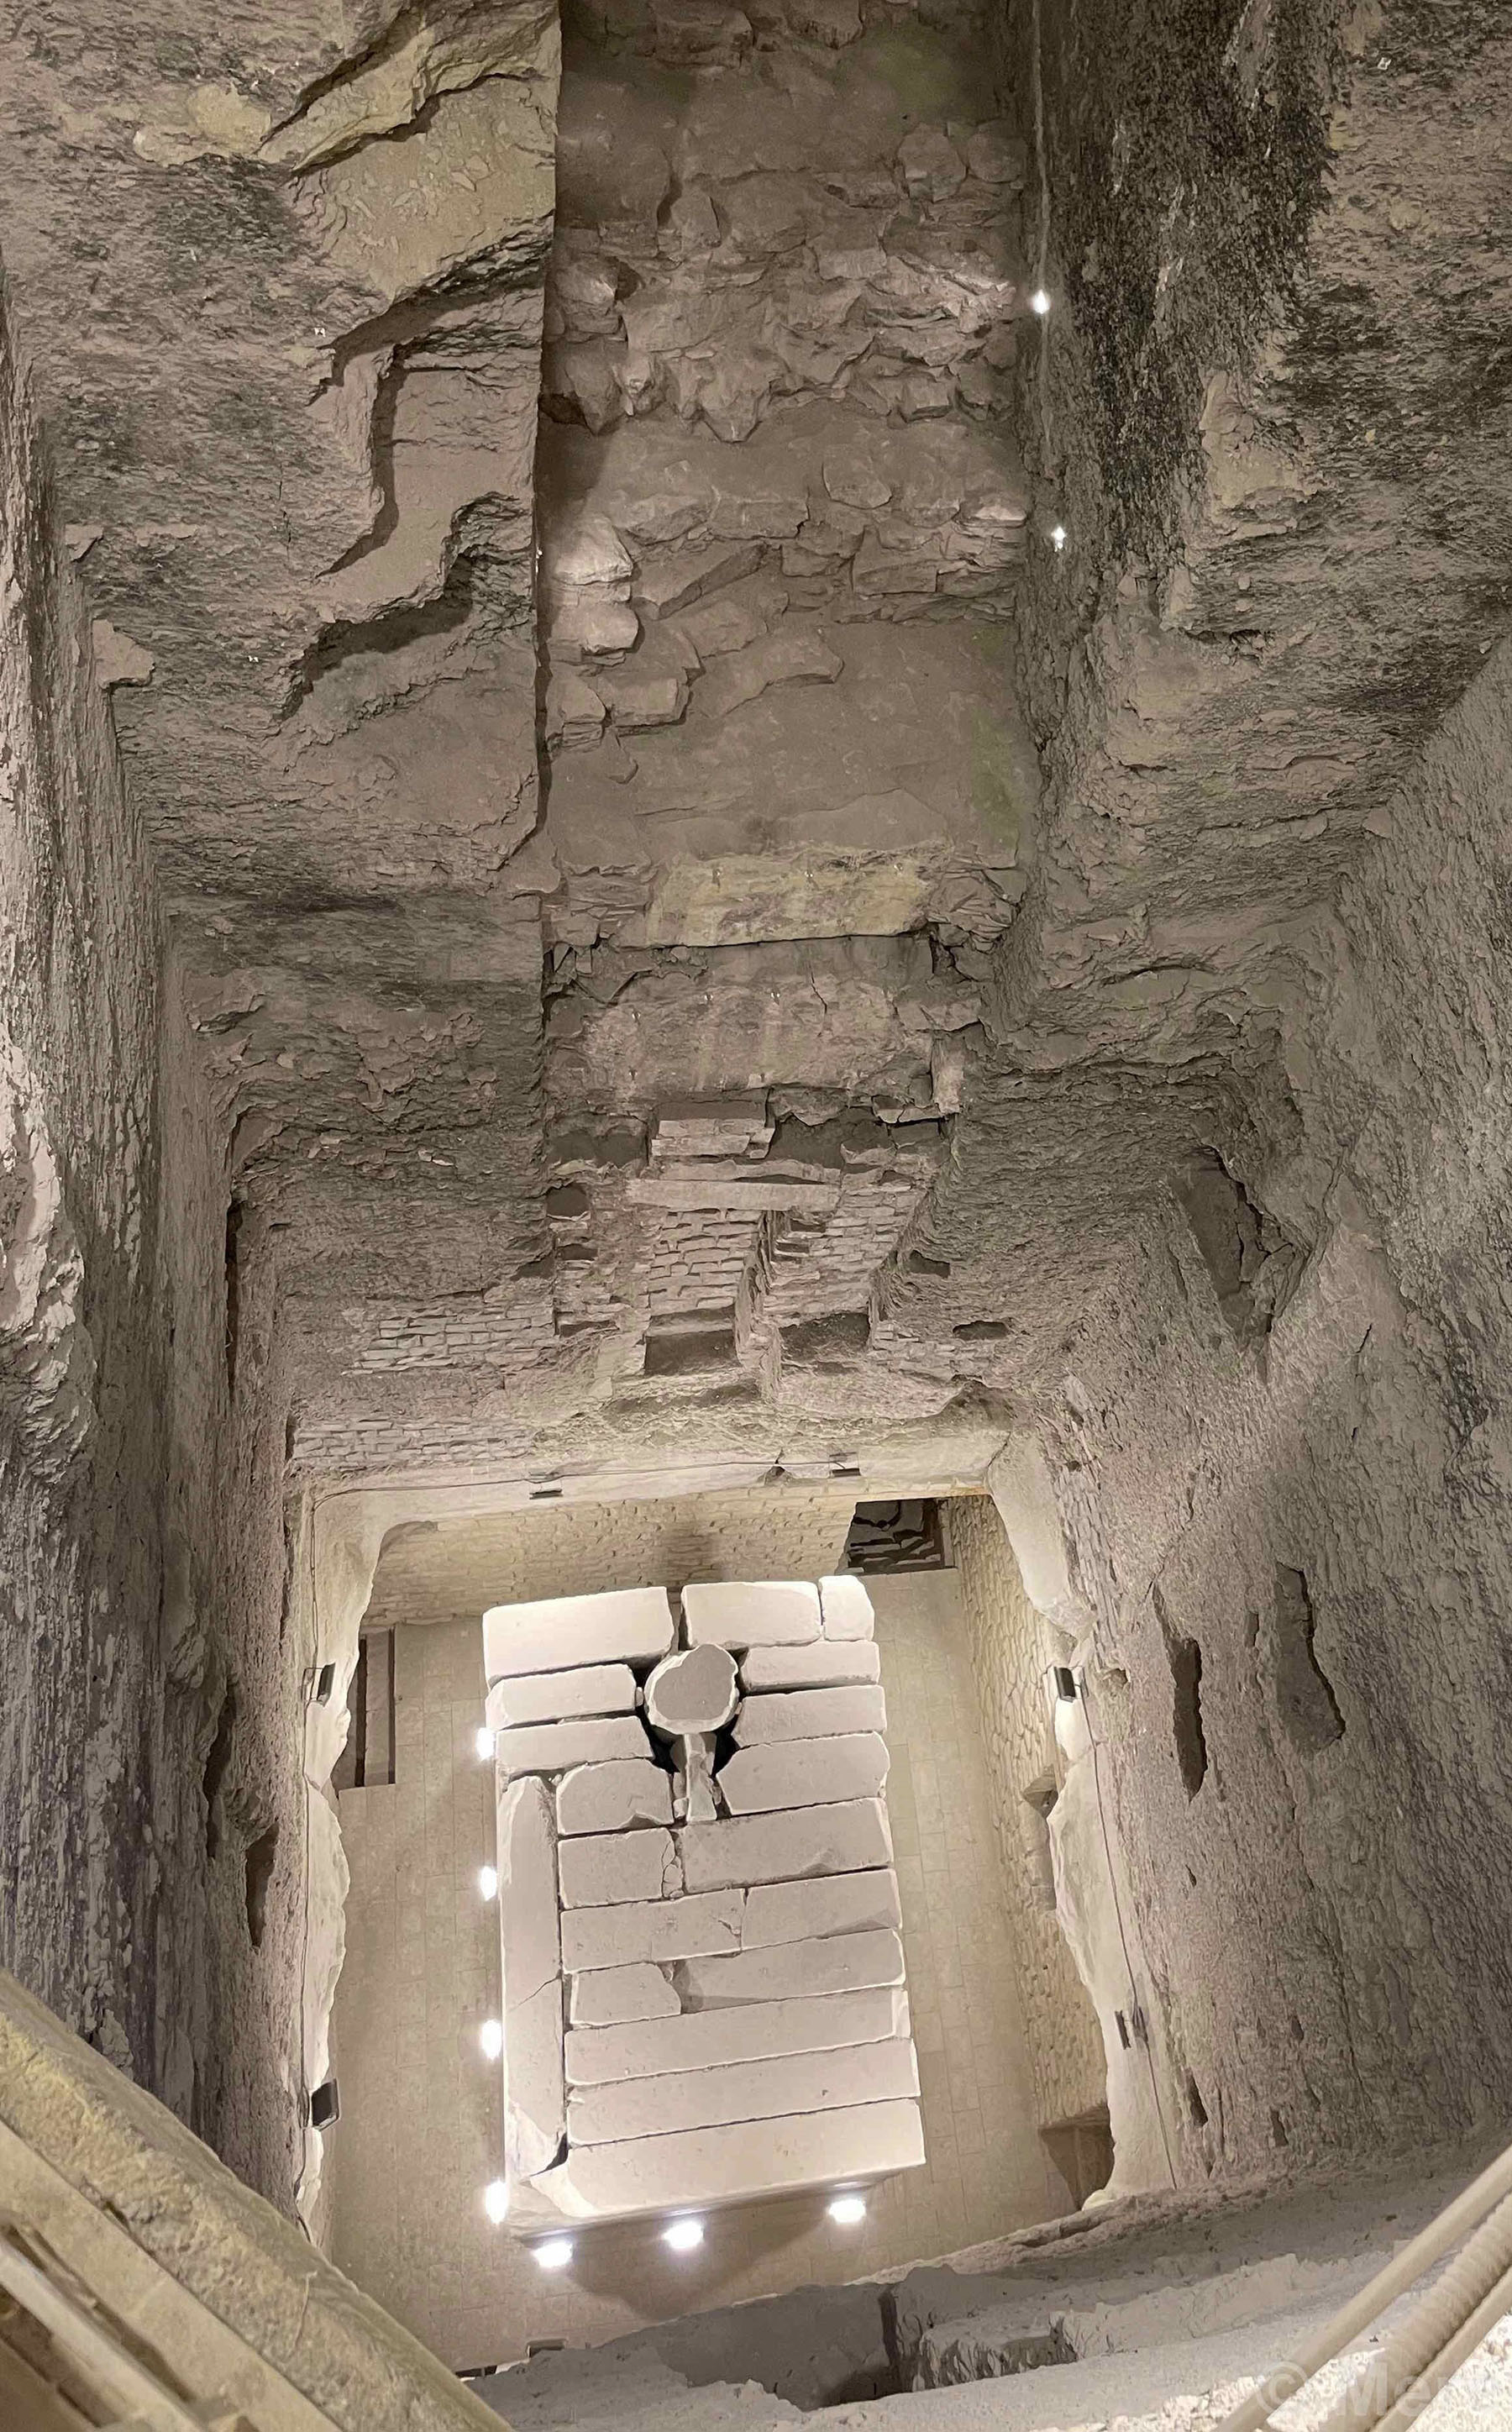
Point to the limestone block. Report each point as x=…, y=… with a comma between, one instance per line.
x=696, y=1691
x=751, y=1612
x=803, y=1773
x=531, y=1968
x=561, y=1697
x=609, y=1797
x=933, y=168
x=829, y=1665
x=719, y=2039
x=811, y=1714
x=551, y=1748
x=780, y=1971
x=598, y=1869
x=824, y=1904
x=720, y=2164
x=776, y=659
x=623, y=1626
x=845, y=1608
x=758, y=2089
x=655, y=1930
x=838, y=1840
x=609, y=1997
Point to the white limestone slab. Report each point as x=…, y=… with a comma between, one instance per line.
x=751, y=1612
x=803, y=1773
x=558, y=1634
x=554, y=1747
x=760, y=2090
x=721, y=2038
x=784, y=1971
x=561, y=1697
x=669, y=1929
x=810, y=1714
x=827, y=1663
x=721, y=2165
x=609, y=1997
x=838, y=1840
x=824, y=1904
x=600, y=1868
x=609, y=1797
x=531, y=1968
x=845, y=1608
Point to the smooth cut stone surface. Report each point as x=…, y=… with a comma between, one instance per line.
x=846, y=1608
x=717, y=2165
x=751, y=1612
x=557, y=1634
x=760, y=2090
x=803, y=1773
x=824, y=1904
x=671, y=1929
x=534, y=2088
x=609, y=1997
x=553, y=1747
x=827, y=1663
x=810, y=1714
x=561, y=1697
x=693, y=1691
x=611, y=1798
x=839, y=1840
x=719, y=2039
x=530, y=1972
x=784, y=1971
x=600, y=1868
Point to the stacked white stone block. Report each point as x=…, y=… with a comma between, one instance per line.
x=703, y=1989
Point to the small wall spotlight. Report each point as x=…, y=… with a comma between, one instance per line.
x=326, y=2104
x=491, y=2037
x=554, y=2254
x=1057, y=537
x=1065, y=1684
x=683, y=2236
x=484, y=1742
x=496, y=2200
x=488, y=1882
x=1039, y=302
x=848, y=2210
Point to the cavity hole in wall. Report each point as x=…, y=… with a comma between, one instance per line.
x=1123, y=2025
x=366, y=1761
x=235, y=1214
x=909, y=1535
x=1196, y=2107
x=1278, y=2130
x=216, y=1763
x=261, y=1858
x=1185, y=1657
x=1310, y=1714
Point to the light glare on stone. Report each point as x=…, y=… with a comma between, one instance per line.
x=1058, y=537
x=1039, y=302
x=495, y=2199
x=488, y=1882
x=683, y=2236
x=490, y=2035
x=554, y=2254
x=848, y=2210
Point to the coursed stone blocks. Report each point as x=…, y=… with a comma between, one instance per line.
x=559, y=1633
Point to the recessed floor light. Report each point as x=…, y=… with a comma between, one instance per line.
x=848, y=2210
x=683, y=2236
x=485, y=1740
x=488, y=1882
x=554, y=2254
x=490, y=2035
x=1039, y=302
x=495, y=2199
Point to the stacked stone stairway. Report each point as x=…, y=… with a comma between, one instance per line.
x=703, y=1982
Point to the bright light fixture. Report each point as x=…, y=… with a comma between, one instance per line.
x=1058, y=538
x=485, y=1740
x=554, y=2254
x=488, y=1882
x=848, y=2210
x=684, y=2235
x=495, y=2199
x=490, y=2035
x=1039, y=302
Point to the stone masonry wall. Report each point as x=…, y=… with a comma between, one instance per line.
x=1008, y=1660
x=151, y=1852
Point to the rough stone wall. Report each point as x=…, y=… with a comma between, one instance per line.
x=453, y=1572
x=150, y=1697
x=1009, y=1655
